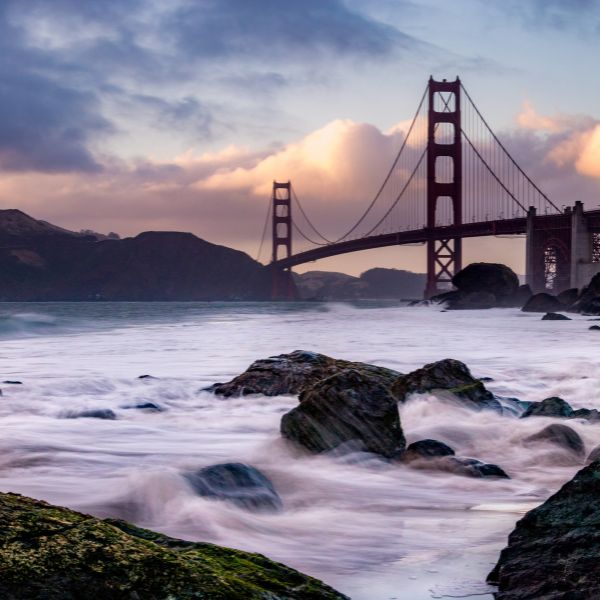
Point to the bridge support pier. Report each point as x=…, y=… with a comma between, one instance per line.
x=583, y=265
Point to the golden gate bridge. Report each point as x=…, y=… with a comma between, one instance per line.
x=451, y=179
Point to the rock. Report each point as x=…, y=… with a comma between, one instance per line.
x=471, y=467
x=9, y=382
x=551, y=316
x=55, y=553
x=586, y=413
x=542, y=303
x=493, y=278
x=350, y=407
x=560, y=435
x=550, y=407
x=426, y=449
x=588, y=301
x=593, y=455
x=147, y=377
x=474, y=300
x=291, y=373
x=595, y=328
x=238, y=484
x=568, y=297
x=554, y=551
x=94, y=413
x=449, y=375
x=147, y=406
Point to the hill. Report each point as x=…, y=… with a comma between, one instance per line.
x=39, y=261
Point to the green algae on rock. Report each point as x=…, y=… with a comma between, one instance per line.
x=55, y=553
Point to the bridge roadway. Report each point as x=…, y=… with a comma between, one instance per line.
x=467, y=230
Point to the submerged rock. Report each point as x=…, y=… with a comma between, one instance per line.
x=593, y=455
x=543, y=303
x=554, y=551
x=237, y=483
x=560, y=435
x=291, y=373
x=147, y=406
x=93, y=413
x=53, y=553
x=550, y=407
x=451, y=376
x=471, y=467
x=595, y=328
x=552, y=316
x=426, y=449
x=12, y=382
x=349, y=408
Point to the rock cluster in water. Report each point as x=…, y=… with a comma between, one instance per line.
x=53, y=553
x=348, y=406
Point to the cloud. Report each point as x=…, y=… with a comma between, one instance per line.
x=562, y=15
x=274, y=29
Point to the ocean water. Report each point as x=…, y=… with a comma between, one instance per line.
x=374, y=531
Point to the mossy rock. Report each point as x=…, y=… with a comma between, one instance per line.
x=55, y=553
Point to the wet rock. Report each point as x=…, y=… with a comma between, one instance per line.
x=9, y=382
x=551, y=316
x=451, y=376
x=94, y=413
x=595, y=328
x=147, y=406
x=554, y=551
x=568, y=297
x=593, y=455
x=147, y=377
x=237, y=483
x=349, y=407
x=426, y=449
x=560, y=435
x=588, y=301
x=543, y=303
x=291, y=373
x=55, y=553
x=550, y=407
x=590, y=414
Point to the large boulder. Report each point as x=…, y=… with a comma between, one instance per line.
x=53, y=553
x=483, y=285
x=568, y=297
x=554, y=551
x=496, y=279
x=291, y=373
x=560, y=435
x=448, y=375
x=543, y=302
x=237, y=483
x=350, y=409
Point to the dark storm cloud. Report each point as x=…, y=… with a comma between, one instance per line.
x=275, y=29
x=44, y=125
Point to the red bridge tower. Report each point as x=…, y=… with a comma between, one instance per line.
x=444, y=179
x=283, y=287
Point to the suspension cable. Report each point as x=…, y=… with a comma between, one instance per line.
x=307, y=219
x=306, y=237
x=491, y=170
x=389, y=210
x=514, y=162
x=264, y=232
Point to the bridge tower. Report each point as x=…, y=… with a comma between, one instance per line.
x=283, y=287
x=444, y=144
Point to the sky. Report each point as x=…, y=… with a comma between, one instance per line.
x=133, y=115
